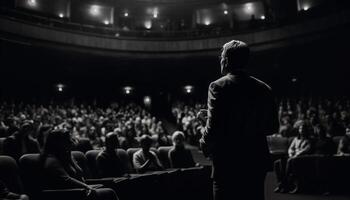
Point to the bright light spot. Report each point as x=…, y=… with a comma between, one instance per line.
x=31, y=3
x=60, y=87
x=155, y=13
x=306, y=7
x=294, y=80
x=148, y=24
x=188, y=89
x=128, y=89
x=249, y=8
x=147, y=100
x=207, y=22
x=225, y=12
x=61, y=15
x=117, y=35
x=126, y=14
x=262, y=17
x=95, y=10
x=106, y=22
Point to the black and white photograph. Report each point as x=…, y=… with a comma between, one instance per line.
x=174, y=99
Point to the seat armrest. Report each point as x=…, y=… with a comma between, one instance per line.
x=66, y=194
x=106, y=181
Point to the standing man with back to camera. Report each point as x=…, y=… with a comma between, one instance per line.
x=241, y=113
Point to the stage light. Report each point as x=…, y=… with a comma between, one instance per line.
x=126, y=14
x=294, y=80
x=207, y=22
x=306, y=7
x=155, y=13
x=188, y=89
x=61, y=15
x=106, y=22
x=117, y=35
x=127, y=90
x=147, y=100
x=148, y=24
x=249, y=8
x=32, y=3
x=262, y=17
x=60, y=87
x=95, y=10
x=225, y=12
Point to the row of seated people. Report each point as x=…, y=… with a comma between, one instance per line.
x=304, y=145
x=61, y=170
x=128, y=120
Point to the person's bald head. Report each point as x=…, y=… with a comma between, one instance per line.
x=234, y=56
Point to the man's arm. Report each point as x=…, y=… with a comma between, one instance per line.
x=212, y=125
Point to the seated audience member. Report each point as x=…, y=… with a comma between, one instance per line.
x=21, y=142
x=108, y=162
x=129, y=141
x=162, y=139
x=145, y=160
x=61, y=170
x=344, y=144
x=300, y=145
x=323, y=145
x=43, y=132
x=179, y=156
x=5, y=194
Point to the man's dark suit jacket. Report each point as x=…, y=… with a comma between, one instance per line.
x=241, y=113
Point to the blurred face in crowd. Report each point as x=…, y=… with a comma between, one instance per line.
x=302, y=130
x=145, y=143
x=347, y=131
x=178, y=139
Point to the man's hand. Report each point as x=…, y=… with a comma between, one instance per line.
x=202, y=116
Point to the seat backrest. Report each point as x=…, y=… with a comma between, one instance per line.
x=2, y=145
x=10, y=175
x=278, y=145
x=91, y=157
x=83, y=145
x=125, y=159
x=31, y=173
x=163, y=156
x=82, y=162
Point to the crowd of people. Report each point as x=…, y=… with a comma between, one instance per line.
x=54, y=131
x=129, y=121
x=187, y=121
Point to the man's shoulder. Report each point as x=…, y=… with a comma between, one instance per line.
x=260, y=83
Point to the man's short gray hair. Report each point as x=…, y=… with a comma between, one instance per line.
x=237, y=53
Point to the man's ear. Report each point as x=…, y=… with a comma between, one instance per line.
x=224, y=65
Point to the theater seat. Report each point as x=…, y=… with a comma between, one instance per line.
x=278, y=145
x=83, y=163
x=10, y=175
x=83, y=145
x=91, y=157
x=31, y=173
x=2, y=145
x=164, y=156
x=91, y=161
